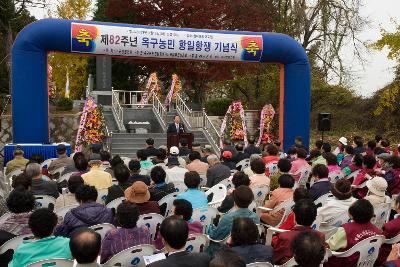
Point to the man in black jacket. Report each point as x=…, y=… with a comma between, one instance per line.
x=251, y=148
x=176, y=126
x=175, y=232
x=150, y=150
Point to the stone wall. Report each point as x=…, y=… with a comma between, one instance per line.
x=63, y=128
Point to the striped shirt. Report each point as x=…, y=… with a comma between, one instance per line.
x=119, y=239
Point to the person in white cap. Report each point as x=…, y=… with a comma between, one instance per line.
x=376, y=191
x=174, y=152
x=339, y=150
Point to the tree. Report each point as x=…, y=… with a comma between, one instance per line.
x=75, y=65
x=250, y=15
x=13, y=17
x=389, y=97
x=323, y=27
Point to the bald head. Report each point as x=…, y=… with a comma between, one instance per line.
x=85, y=245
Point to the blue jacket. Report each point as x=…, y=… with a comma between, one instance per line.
x=255, y=253
x=197, y=198
x=320, y=188
x=224, y=227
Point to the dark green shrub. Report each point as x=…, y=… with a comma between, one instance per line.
x=218, y=107
x=64, y=104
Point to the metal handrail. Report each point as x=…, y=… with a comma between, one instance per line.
x=210, y=129
x=160, y=111
x=118, y=110
x=108, y=139
x=185, y=111
x=131, y=98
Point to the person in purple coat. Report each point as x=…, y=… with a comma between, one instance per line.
x=322, y=184
x=88, y=213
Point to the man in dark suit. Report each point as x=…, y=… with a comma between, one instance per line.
x=217, y=171
x=176, y=126
x=240, y=155
x=174, y=232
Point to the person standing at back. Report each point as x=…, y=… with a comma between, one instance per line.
x=176, y=127
x=174, y=232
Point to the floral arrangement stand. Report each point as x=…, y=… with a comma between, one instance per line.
x=266, y=117
x=176, y=87
x=91, y=127
x=152, y=87
x=238, y=130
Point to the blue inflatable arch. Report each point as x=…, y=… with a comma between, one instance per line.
x=30, y=107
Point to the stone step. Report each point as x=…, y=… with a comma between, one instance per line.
x=152, y=135
x=137, y=146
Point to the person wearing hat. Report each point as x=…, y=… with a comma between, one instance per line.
x=174, y=152
x=339, y=150
x=139, y=194
x=336, y=206
x=96, y=177
x=227, y=160
x=175, y=173
x=19, y=162
x=376, y=191
x=95, y=151
x=62, y=161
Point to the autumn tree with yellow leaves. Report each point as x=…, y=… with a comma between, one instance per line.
x=75, y=65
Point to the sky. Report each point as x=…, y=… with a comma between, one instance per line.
x=378, y=70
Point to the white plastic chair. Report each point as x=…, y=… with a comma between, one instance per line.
x=368, y=249
x=58, y=170
x=303, y=174
x=115, y=203
x=270, y=233
x=203, y=180
x=272, y=167
x=102, y=228
x=335, y=176
x=245, y=163
x=321, y=201
x=126, y=160
x=167, y=200
x=205, y=216
x=259, y=264
x=353, y=175
x=46, y=163
x=13, y=174
x=260, y=193
x=14, y=242
x=102, y=196
x=393, y=240
x=53, y=262
x=5, y=217
x=335, y=223
x=219, y=192
x=44, y=201
x=180, y=188
x=152, y=221
x=64, y=177
x=197, y=243
x=61, y=212
x=228, y=183
x=286, y=205
x=382, y=213
x=132, y=256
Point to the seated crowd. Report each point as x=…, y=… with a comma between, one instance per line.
x=300, y=206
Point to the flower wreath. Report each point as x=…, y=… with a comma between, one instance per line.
x=152, y=87
x=267, y=115
x=238, y=125
x=176, y=87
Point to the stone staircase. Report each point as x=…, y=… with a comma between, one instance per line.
x=126, y=144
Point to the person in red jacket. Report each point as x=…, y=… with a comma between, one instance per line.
x=390, y=230
x=305, y=212
x=366, y=172
x=349, y=234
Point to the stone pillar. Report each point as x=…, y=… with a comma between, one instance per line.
x=103, y=80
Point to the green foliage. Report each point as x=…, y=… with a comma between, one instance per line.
x=391, y=41
x=63, y=104
x=218, y=107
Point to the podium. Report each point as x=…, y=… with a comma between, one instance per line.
x=173, y=139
